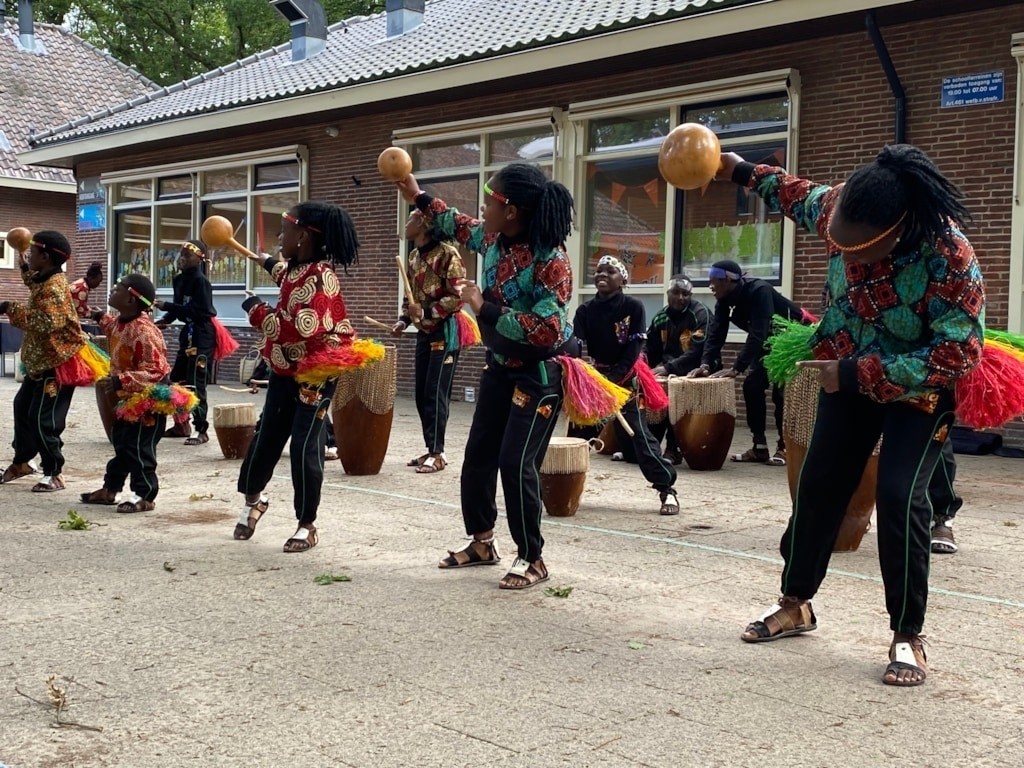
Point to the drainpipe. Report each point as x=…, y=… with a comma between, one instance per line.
x=899, y=95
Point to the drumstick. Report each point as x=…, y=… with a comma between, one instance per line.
x=405, y=279
x=625, y=425
x=378, y=323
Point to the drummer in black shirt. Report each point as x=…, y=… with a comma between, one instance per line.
x=612, y=325
x=749, y=304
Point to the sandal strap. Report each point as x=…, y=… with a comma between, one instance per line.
x=519, y=568
x=248, y=509
x=302, y=534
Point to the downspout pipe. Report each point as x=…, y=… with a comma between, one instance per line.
x=899, y=95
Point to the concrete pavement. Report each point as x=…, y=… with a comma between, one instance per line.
x=182, y=646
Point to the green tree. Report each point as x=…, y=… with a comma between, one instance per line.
x=173, y=40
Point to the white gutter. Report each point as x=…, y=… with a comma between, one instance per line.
x=689, y=29
x=67, y=187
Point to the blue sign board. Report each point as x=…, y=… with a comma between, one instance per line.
x=92, y=216
x=969, y=90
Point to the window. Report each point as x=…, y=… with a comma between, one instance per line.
x=8, y=256
x=726, y=221
x=154, y=215
x=626, y=208
x=454, y=165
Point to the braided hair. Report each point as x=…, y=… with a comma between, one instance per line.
x=334, y=234
x=95, y=270
x=54, y=244
x=903, y=180
x=548, y=203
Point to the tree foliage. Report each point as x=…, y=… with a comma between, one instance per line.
x=172, y=40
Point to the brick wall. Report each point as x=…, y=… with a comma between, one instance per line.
x=36, y=210
x=846, y=116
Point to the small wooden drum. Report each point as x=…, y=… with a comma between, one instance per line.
x=563, y=474
x=703, y=417
x=362, y=409
x=609, y=439
x=234, y=425
x=798, y=417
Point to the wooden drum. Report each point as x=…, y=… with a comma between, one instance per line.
x=563, y=474
x=703, y=416
x=106, y=402
x=609, y=439
x=234, y=425
x=362, y=408
x=656, y=417
x=798, y=417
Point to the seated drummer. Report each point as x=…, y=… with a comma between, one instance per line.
x=612, y=326
x=675, y=344
x=749, y=304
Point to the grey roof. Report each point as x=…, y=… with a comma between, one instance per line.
x=38, y=89
x=358, y=51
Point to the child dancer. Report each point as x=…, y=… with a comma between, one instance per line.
x=138, y=361
x=308, y=342
x=435, y=269
x=904, y=326
x=193, y=306
x=612, y=325
x=57, y=358
x=521, y=307
x=81, y=288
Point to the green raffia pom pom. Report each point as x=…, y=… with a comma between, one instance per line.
x=788, y=345
x=1010, y=339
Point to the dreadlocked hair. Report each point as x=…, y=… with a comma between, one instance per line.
x=335, y=238
x=904, y=179
x=549, y=203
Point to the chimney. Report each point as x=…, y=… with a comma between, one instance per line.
x=403, y=16
x=309, y=26
x=26, y=29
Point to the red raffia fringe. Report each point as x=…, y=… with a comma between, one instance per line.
x=654, y=396
x=225, y=343
x=993, y=393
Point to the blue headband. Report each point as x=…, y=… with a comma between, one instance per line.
x=722, y=274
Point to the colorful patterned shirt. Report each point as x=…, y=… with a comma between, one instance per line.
x=433, y=272
x=676, y=338
x=52, y=334
x=525, y=293
x=903, y=327
x=309, y=318
x=80, y=296
x=138, y=355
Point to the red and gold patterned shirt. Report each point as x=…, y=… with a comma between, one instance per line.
x=309, y=319
x=80, y=297
x=433, y=273
x=138, y=355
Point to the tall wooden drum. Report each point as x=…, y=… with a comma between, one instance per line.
x=703, y=416
x=234, y=425
x=609, y=439
x=798, y=417
x=362, y=408
x=106, y=402
x=563, y=474
x=656, y=417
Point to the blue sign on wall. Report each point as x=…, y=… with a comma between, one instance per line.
x=968, y=90
x=92, y=216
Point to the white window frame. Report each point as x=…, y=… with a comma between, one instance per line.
x=8, y=256
x=1016, y=283
x=197, y=198
x=674, y=101
x=479, y=129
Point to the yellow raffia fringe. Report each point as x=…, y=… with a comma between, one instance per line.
x=93, y=357
x=1002, y=346
x=360, y=354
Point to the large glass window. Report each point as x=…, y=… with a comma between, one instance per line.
x=455, y=169
x=153, y=216
x=726, y=221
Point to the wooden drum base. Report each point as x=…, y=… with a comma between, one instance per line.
x=858, y=512
x=705, y=439
x=106, y=402
x=234, y=441
x=561, y=493
x=362, y=437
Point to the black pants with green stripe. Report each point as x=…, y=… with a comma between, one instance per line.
x=515, y=415
x=290, y=411
x=193, y=371
x=845, y=433
x=135, y=456
x=435, y=372
x=40, y=412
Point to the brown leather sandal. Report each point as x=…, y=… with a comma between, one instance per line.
x=470, y=555
x=16, y=471
x=129, y=507
x=906, y=656
x=418, y=461
x=251, y=514
x=102, y=496
x=779, y=621
x=523, y=574
x=435, y=462
x=49, y=484
x=303, y=539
